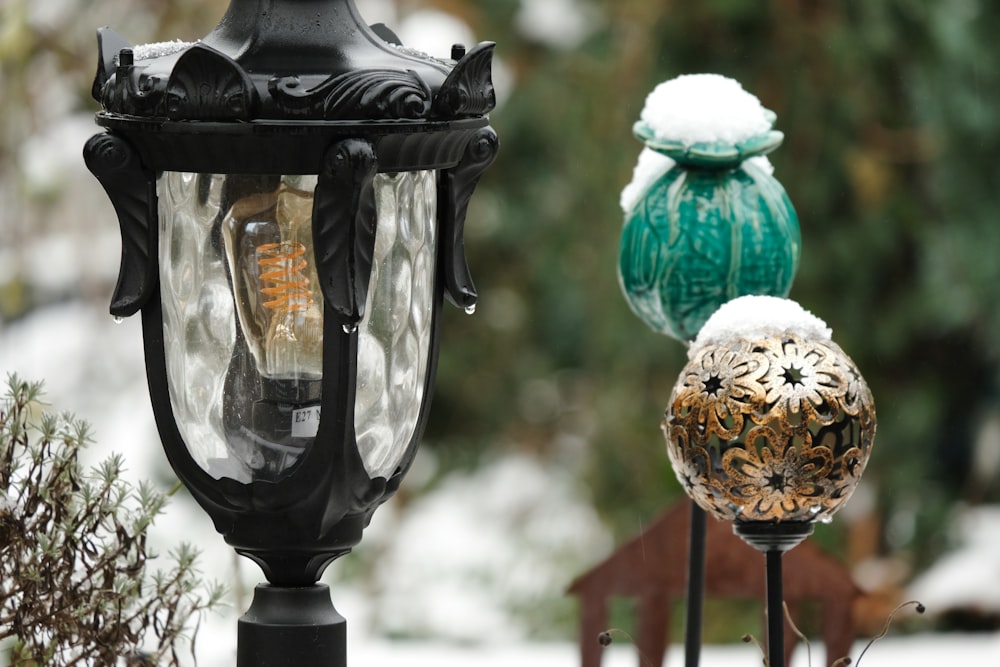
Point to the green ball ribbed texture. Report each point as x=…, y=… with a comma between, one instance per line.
x=700, y=237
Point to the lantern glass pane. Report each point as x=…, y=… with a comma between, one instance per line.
x=243, y=321
x=394, y=339
x=243, y=332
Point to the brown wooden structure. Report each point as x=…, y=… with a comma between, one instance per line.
x=652, y=568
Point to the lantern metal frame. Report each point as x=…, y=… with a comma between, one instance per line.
x=293, y=87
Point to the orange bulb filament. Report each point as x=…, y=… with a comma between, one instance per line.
x=281, y=277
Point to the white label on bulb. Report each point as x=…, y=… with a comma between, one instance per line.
x=305, y=422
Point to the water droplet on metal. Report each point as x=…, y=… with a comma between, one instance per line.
x=826, y=519
x=469, y=310
x=350, y=328
x=119, y=319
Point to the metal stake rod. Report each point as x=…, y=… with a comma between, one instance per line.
x=775, y=611
x=774, y=539
x=695, y=587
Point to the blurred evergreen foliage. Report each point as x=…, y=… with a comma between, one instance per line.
x=888, y=110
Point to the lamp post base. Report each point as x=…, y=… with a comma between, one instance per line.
x=291, y=626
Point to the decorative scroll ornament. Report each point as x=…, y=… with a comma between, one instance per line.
x=468, y=90
x=132, y=192
x=344, y=219
x=363, y=94
x=457, y=186
x=770, y=429
x=208, y=85
x=204, y=83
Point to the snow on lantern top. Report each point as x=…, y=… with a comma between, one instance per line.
x=753, y=317
x=159, y=49
x=706, y=119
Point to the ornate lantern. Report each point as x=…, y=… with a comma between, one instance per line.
x=292, y=191
x=770, y=426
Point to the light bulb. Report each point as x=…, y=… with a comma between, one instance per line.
x=274, y=380
x=269, y=245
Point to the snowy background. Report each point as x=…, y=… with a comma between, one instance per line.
x=460, y=569
x=462, y=573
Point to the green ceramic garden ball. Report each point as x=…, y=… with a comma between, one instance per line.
x=705, y=221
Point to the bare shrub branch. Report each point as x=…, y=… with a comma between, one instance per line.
x=76, y=586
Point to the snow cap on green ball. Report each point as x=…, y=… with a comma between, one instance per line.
x=696, y=108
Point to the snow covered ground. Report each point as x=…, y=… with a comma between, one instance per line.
x=964, y=650
x=968, y=577
x=921, y=651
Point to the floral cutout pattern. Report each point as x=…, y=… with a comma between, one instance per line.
x=775, y=429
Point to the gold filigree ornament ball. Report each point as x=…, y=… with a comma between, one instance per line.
x=769, y=421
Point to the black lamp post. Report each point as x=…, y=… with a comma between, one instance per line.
x=292, y=191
